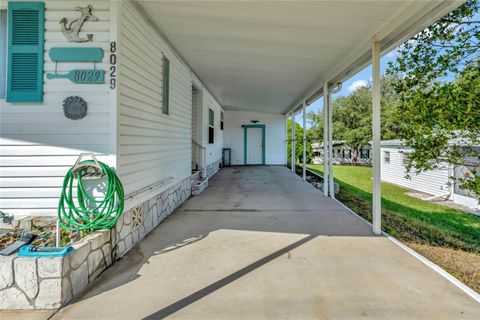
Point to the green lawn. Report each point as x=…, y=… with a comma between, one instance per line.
x=407, y=218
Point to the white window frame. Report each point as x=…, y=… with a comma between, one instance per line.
x=211, y=125
x=405, y=157
x=387, y=157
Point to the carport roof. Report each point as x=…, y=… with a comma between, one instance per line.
x=270, y=56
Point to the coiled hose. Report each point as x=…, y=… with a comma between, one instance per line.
x=88, y=212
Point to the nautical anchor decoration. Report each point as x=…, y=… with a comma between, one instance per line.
x=71, y=30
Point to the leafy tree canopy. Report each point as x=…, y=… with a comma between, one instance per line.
x=439, y=94
x=298, y=144
x=315, y=132
x=352, y=117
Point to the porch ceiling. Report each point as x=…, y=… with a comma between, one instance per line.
x=267, y=56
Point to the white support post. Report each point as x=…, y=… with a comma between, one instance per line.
x=326, y=167
x=286, y=140
x=292, y=155
x=376, y=190
x=331, y=186
x=304, y=141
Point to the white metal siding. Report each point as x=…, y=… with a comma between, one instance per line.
x=38, y=143
x=153, y=146
x=434, y=182
x=275, y=131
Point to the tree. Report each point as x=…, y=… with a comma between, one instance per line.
x=352, y=117
x=298, y=144
x=391, y=118
x=439, y=94
x=315, y=132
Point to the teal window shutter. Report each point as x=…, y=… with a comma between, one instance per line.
x=26, y=28
x=166, y=85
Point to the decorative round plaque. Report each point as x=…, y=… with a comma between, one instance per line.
x=74, y=108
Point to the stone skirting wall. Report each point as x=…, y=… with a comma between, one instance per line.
x=48, y=283
x=136, y=223
x=213, y=168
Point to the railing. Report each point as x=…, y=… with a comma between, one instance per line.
x=131, y=199
x=198, y=144
x=148, y=188
x=203, y=150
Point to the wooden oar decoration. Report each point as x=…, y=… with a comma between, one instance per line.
x=91, y=76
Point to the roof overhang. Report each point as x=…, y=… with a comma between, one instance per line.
x=272, y=56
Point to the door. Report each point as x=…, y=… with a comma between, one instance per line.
x=194, y=130
x=197, y=150
x=254, y=145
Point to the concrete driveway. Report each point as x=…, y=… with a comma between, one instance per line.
x=260, y=243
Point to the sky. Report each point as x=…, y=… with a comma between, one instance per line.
x=362, y=78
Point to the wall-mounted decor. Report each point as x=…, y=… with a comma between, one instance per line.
x=74, y=54
x=80, y=76
x=85, y=76
x=71, y=29
x=74, y=108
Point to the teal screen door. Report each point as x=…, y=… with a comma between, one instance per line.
x=254, y=144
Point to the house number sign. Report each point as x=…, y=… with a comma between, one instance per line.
x=113, y=65
x=91, y=76
x=73, y=54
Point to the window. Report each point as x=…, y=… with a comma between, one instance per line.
x=221, y=120
x=386, y=156
x=405, y=159
x=3, y=52
x=211, y=126
x=364, y=153
x=166, y=85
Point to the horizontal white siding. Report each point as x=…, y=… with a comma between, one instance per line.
x=466, y=201
x=38, y=143
x=275, y=153
x=152, y=146
x=434, y=182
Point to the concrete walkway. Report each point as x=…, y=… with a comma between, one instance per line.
x=260, y=243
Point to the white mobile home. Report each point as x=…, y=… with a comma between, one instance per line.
x=343, y=153
x=152, y=118
x=436, y=182
x=157, y=90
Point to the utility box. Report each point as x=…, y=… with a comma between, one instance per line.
x=227, y=157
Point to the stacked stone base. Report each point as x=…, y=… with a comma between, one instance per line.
x=155, y=210
x=49, y=283
x=213, y=168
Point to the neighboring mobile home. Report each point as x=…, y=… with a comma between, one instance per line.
x=435, y=182
x=343, y=153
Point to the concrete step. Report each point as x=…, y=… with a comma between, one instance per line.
x=199, y=186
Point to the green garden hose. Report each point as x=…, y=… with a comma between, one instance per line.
x=87, y=212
